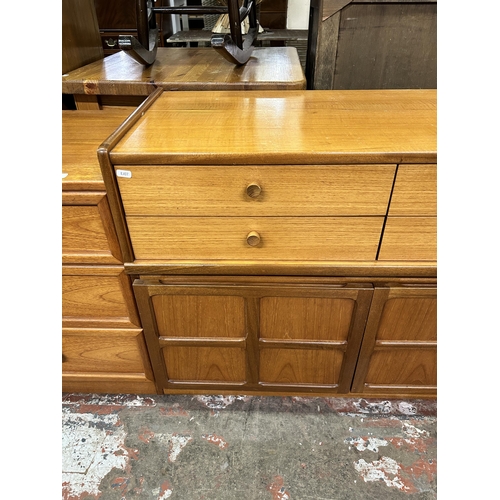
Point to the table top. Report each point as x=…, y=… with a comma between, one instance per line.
x=297, y=127
x=178, y=68
x=267, y=35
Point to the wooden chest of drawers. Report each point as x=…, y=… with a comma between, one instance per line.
x=102, y=341
x=265, y=234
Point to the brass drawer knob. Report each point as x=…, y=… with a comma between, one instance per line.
x=110, y=42
x=253, y=190
x=253, y=238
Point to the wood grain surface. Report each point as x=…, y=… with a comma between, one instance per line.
x=277, y=190
x=409, y=238
x=297, y=127
x=283, y=238
x=269, y=68
x=415, y=191
x=82, y=134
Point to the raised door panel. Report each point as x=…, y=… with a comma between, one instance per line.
x=409, y=319
x=205, y=365
x=305, y=319
x=301, y=367
x=88, y=235
x=199, y=316
x=291, y=190
x=398, y=353
x=415, y=368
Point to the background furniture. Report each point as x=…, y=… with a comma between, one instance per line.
x=118, y=80
x=102, y=340
x=118, y=17
x=80, y=34
x=272, y=254
x=372, y=44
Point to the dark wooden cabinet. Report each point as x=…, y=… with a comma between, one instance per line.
x=80, y=35
x=372, y=44
x=118, y=17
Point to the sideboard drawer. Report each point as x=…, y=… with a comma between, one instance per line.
x=103, y=351
x=256, y=238
x=291, y=190
x=88, y=234
x=97, y=296
x=415, y=191
x=409, y=238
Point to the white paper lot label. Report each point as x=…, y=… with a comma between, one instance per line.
x=124, y=173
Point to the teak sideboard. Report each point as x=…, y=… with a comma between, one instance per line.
x=280, y=243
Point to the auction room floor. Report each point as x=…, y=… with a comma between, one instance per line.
x=119, y=447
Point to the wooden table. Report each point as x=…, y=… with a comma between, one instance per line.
x=118, y=80
x=264, y=38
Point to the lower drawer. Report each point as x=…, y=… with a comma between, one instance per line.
x=108, y=351
x=409, y=238
x=255, y=238
x=106, y=361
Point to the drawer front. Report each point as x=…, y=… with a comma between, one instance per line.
x=104, y=351
x=256, y=190
x=415, y=191
x=409, y=238
x=88, y=235
x=258, y=238
x=96, y=296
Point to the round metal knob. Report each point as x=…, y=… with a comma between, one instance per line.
x=253, y=238
x=253, y=190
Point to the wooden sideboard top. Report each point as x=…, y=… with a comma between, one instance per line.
x=272, y=127
x=271, y=68
x=82, y=134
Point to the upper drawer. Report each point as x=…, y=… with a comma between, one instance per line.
x=88, y=235
x=256, y=190
x=415, y=191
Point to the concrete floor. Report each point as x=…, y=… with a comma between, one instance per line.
x=119, y=447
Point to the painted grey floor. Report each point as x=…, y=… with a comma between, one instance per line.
x=124, y=447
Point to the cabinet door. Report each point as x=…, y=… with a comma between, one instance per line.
x=258, y=334
x=399, y=350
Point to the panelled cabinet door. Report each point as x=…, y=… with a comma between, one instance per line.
x=255, y=334
x=399, y=350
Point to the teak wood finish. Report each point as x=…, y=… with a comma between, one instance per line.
x=118, y=80
x=102, y=341
x=241, y=219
